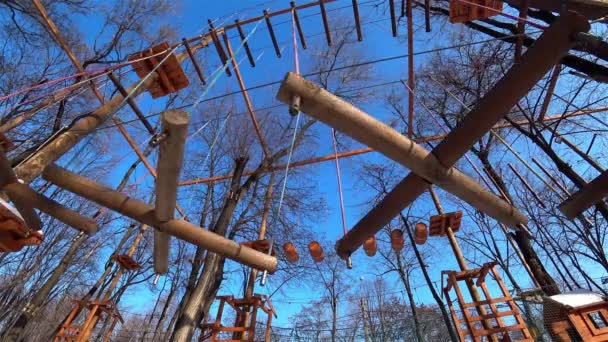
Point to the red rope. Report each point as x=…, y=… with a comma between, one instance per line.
x=333, y=136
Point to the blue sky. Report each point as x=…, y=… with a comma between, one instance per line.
x=190, y=18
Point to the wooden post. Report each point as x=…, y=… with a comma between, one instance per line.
x=170, y=159
x=144, y=213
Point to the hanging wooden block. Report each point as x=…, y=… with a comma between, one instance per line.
x=260, y=246
x=397, y=240
x=291, y=253
x=316, y=251
x=5, y=143
x=171, y=76
x=439, y=223
x=126, y=262
x=421, y=233
x=469, y=10
x=370, y=246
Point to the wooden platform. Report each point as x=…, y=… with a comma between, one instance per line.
x=171, y=75
x=462, y=12
x=126, y=262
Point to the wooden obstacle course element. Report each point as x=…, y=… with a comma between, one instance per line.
x=131, y=102
x=591, y=193
x=469, y=10
x=439, y=224
x=291, y=252
x=296, y=18
x=397, y=240
x=473, y=330
x=421, y=233
x=316, y=251
x=576, y=316
x=243, y=328
x=436, y=167
x=197, y=67
x=370, y=246
x=170, y=160
x=171, y=75
x=261, y=246
x=361, y=126
x=20, y=226
x=126, y=261
x=92, y=312
x=144, y=213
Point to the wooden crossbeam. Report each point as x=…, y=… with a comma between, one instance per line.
x=144, y=213
x=170, y=159
x=593, y=192
x=362, y=127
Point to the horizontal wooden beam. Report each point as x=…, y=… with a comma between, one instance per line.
x=593, y=192
x=362, y=127
x=144, y=213
x=18, y=192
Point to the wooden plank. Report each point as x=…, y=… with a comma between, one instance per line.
x=487, y=301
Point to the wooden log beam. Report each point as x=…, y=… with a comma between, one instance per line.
x=341, y=115
x=144, y=213
x=21, y=193
x=592, y=9
x=170, y=159
x=34, y=166
x=593, y=192
x=26, y=199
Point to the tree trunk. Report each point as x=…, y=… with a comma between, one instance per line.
x=429, y=282
x=522, y=240
x=198, y=304
x=410, y=296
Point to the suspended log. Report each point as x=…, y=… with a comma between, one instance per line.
x=316, y=251
x=144, y=213
x=397, y=240
x=421, y=233
x=370, y=247
x=170, y=159
x=291, y=253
